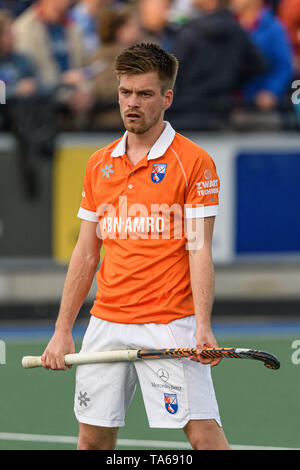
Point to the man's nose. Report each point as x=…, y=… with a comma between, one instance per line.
x=134, y=101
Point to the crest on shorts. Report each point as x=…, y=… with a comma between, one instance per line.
x=171, y=403
x=158, y=172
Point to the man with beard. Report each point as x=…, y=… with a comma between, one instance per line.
x=151, y=197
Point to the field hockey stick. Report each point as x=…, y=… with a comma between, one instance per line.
x=122, y=355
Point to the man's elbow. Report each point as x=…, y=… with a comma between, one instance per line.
x=200, y=251
x=87, y=257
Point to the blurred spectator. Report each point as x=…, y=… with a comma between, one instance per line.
x=16, y=7
x=28, y=112
x=86, y=15
x=156, y=21
x=182, y=10
x=16, y=70
x=266, y=31
x=215, y=56
x=289, y=13
x=55, y=43
x=118, y=29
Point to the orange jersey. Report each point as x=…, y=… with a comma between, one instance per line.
x=141, y=212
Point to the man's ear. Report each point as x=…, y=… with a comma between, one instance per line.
x=168, y=98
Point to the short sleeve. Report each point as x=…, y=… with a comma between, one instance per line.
x=88, y=210
x=202, y=195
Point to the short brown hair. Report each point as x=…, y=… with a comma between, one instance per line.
x=148, y=57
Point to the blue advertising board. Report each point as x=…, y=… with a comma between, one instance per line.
x=267, y=202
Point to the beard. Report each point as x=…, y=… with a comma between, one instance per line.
x=143, y=125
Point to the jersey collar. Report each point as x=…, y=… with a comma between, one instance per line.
x=159, y=148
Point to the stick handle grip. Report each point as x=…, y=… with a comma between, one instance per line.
x=29, y=362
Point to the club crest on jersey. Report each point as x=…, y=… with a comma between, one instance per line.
x=158, y=172
x=171, y=403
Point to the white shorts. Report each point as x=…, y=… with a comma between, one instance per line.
x=175, y=391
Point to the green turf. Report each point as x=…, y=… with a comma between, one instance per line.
x=258, y=406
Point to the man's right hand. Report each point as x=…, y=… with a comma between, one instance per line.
x=59, y=345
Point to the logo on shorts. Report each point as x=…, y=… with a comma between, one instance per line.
x=163, y=374
x=158, y=172
x=171, y=403
x=83, y=399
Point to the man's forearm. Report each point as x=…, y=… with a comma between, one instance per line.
x=78, y=282
x=202, y=284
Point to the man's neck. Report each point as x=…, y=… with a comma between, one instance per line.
x=138, y=145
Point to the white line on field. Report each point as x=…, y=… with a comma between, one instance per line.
x=8, y=436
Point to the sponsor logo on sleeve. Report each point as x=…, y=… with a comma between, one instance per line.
x=207, y=186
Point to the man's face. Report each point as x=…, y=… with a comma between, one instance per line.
x=60, y=6
x=154, y=13
x=142, y=103
x=239, y=6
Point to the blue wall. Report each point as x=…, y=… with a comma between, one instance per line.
x=267, y=202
